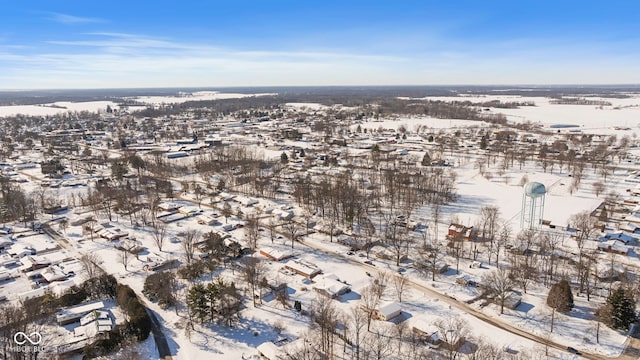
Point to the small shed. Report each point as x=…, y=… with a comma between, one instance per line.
x=387, y=311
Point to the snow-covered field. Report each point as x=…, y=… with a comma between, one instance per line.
x=101, y=106
x=196, y=96
x=623, y=112
x=56, y=108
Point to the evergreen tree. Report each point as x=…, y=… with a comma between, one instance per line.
x=284, y=158
x=426, y=159
x=212, y=295
x=197, y=302
x=560, y=296
x=483, y=142
x=622, y=309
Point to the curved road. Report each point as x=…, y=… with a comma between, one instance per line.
x=161, y=341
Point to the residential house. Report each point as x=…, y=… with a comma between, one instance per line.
x=303, y=268
x=330, y=286
x=614, y=246
x=275, y=254
x=458, y=231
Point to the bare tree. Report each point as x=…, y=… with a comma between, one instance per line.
x=400, y=330
x=399, y=284
x=452, y=331
x=398, y=240
x=485, y=350
x=252, y=270
x=599, y=188
x=358, y=319
x=272, y=229
x=585, y=227
x=325, y=318
x=501, y=242
x=524, y=270
x=252, y=231
x=63, y=225
x=226, y=211
x=430, y=257
x=370, y=300
x=292, y=229
x=380, y=282
x=489, y=215
x=90, y=262
x=378, y=343
x=158, y=233
x=188, y=243
x=499, y=285
x=124, y=258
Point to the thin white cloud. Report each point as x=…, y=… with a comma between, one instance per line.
x=73, y=20
x=142, y=45
x=130, y=60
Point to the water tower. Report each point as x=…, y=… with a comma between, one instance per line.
x=532, y=205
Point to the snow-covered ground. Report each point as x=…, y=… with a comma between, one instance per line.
x=271, y=321
x=101, y=106
x=56, y=108
x=196, y=96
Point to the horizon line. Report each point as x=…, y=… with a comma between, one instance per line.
x=633, y=85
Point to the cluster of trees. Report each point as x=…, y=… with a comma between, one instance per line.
x=579, y=101
x=161, y=287
x=437, y=109
x=216, y=301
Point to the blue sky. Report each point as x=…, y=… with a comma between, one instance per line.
x=105, y=44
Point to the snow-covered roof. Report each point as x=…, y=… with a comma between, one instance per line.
x=76, y=312
x=94, y=315
x=389, y=309
x=276, y=254
x=614, y=245
x=330, y=285
x=619, y=235
x=53, y=273
x=303, y=268
x=269, y=350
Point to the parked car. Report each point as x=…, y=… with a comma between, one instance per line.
x=573, y=351
x=369, y=262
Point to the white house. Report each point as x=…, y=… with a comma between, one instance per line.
x=74, y=313
x=387, y=311
x=53, y=273
x=94, y=323
x=205, y=219
x=329, y=285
